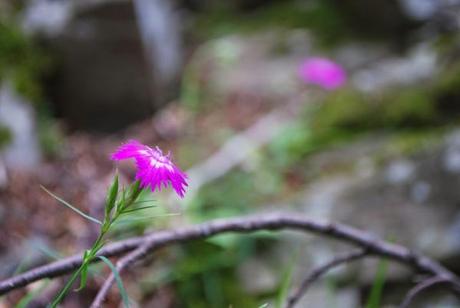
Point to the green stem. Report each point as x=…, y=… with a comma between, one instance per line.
x=89, y=258
x=91, y=255
x=66, y=288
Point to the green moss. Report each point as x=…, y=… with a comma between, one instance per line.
x=397, y=108
x=320, y=16
x=346, y=114
x=448, y=81
x=408, y=107
x=413, y=141
x=343, y=109
x=5, y=136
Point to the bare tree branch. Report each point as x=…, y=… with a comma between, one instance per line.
x=274, y=222
x=123, y=263
x=64, y=266
x=316, y=273
x=422, y=286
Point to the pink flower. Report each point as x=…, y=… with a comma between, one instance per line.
x=153, y=168
x=323, y=72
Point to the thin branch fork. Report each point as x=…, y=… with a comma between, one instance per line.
x=316, y=273
x=423, y=286
x=277, y=221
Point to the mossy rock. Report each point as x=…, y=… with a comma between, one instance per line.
x=409, y=107
x=345, y=109
x=447, y=91
x=323, y=18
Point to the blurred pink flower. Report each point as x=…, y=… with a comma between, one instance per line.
x=153, y=168
x=323, y=72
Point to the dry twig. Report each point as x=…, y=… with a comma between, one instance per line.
x=422, y=286
x=151, y=242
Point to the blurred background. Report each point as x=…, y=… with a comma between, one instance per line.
x=217, y=83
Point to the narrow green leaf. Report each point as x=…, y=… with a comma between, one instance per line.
x=286, y=282
x=144, y=201
x=264, y=305
x=84, y=271
x=111, y=196
x=97, y=247
x=138, y=209
x=123, y=293
x=134, y=192
x=123, y=195
x=26, y=300
x=71, y=206
x=131, y=219
x=83, y=278
x=377, y=287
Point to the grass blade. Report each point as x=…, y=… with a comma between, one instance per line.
x=22, y=265
x=286, y=282
x=71, y=206
x=377, y=287
x=111, y=197
x=123, y=293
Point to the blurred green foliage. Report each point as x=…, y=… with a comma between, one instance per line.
x=205, y=274
x=5, y=136
x=399, y=108
x=24, y=63
x=322, y=17
x=237, y=193
x=21, y=60
x=50, y=135
x=226, y=197
x=212, y=283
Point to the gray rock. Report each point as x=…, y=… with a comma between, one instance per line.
x=119, y=61
x=46, y=17
x=420, y=63
x=3, y=176
x=412, y=200
x=425, y=9
x=18, y=116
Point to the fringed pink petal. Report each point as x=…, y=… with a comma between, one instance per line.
x=154, y=170
x=130, y=149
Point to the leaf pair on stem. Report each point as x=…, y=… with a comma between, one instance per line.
x=118, y=202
